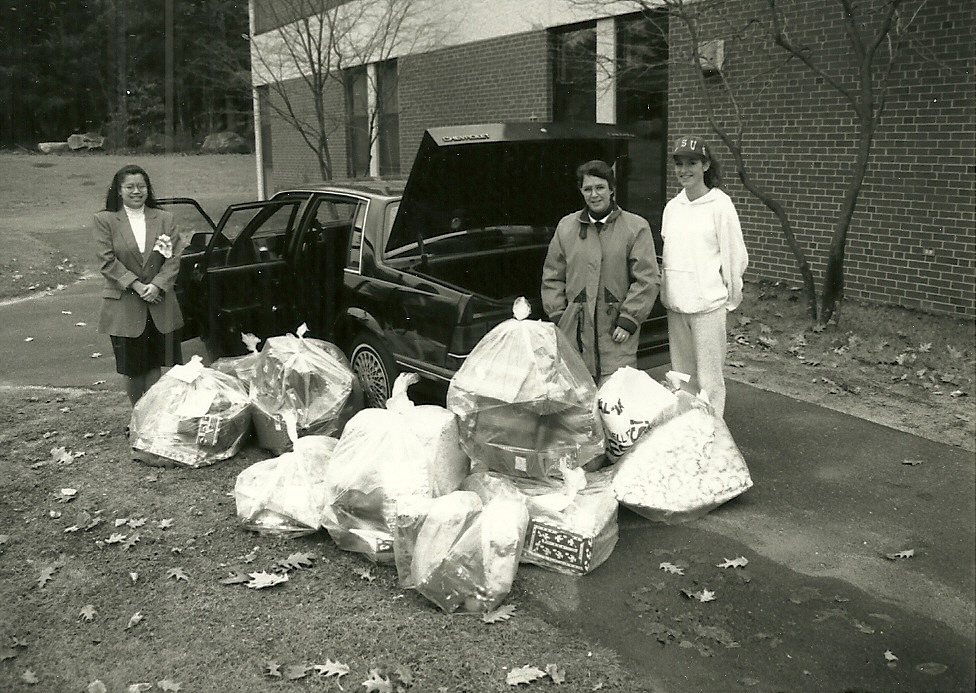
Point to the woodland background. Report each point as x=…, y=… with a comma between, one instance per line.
x=99, y=66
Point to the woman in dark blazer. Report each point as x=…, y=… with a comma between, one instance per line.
x=138, y=249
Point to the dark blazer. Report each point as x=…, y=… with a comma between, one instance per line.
x=123, y=313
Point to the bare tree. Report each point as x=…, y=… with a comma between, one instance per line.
x=690, y=15
x=876, y=31
x=315, y=41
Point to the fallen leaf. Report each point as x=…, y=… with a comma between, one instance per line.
x=913, y=463
x=134, y=577
x=236, y=578
x=366, y=574
x=702, y=595
x=140, y=687
x=890, y=656
x=88, y=612
x=863, y=627
x=296, y=561
x=67, y=495
x=925, y=348
x=740, y=562
x=272, y=668
x=134, y=620
x=65, y=312
x=502, y=613
x=96, y=686
x=169, y=686
x=130, y=542
x=671, y=568
x=957, y=393
x=908, y=553
x=265, y=579
x=953, y=352
x=293, y=672
x=7, y=653
x=115, y=538
x=330, y=668
x=526, y=674
x=81, y=324
x=404, y=675
x=177, y=574
x=376, y=683
x=556, y=673
x=96, y=354
x=28, y=339
x=136, y=522
x=29, y=677
x=165, y=524
x=46, y=575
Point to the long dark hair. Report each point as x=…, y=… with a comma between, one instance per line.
x=114, y=195
x=713, y=176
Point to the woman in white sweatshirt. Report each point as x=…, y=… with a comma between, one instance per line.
x=704, y=259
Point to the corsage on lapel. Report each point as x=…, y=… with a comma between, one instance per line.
x=162, y=250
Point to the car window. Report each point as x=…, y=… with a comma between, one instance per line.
x=338, y=214
x=189, y=218
x=254, y=233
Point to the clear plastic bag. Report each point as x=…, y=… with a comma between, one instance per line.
x=525, y=401
x=241, y=367
x=683, y=468
x=384, y=457
x=301, y=379
x=194, y=416
x=483, y=546
x=285, y=495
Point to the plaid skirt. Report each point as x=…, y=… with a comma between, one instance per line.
x=135, y=356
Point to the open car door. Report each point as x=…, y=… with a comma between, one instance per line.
x=249, y=281
x=196, y=226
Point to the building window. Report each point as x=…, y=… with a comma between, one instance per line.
x=365, y=86
x=574, y=73
x=357, y=122
x=388, y=117
x=642, y=107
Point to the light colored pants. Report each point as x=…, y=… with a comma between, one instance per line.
x=698, y=345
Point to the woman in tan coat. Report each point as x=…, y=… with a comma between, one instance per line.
x=138, y=248
x=600, y=278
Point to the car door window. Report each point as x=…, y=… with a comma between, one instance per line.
x=341, y=220
x=253, y=233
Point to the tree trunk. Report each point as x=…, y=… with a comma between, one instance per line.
x=122, y=108
x=809, y=287
x=832, y=298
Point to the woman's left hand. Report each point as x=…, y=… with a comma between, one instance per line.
x=619, y=334
x=152, y=294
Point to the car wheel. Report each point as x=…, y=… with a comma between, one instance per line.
x=375, y=368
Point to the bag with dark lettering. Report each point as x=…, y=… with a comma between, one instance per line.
x=631, y=402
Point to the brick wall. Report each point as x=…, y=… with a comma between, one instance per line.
x=295, y=163
x=911, y=241
x=504, y=79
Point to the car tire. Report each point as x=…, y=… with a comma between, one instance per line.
x=375, y=368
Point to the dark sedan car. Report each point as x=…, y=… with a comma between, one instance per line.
x=402, y=281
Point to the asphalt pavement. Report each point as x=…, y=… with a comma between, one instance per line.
x=820, y=606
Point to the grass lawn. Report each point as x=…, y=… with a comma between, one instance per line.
x=69, y=597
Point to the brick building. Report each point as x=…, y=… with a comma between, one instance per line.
x=912, y=237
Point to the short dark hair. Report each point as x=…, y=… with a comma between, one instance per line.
x=598, y=169
x=115, y=189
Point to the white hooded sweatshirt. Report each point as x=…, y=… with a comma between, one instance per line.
x=704, y=254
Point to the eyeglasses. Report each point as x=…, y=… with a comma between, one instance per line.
x=130, y=188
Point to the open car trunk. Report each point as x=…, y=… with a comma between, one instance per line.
x=482, y=202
